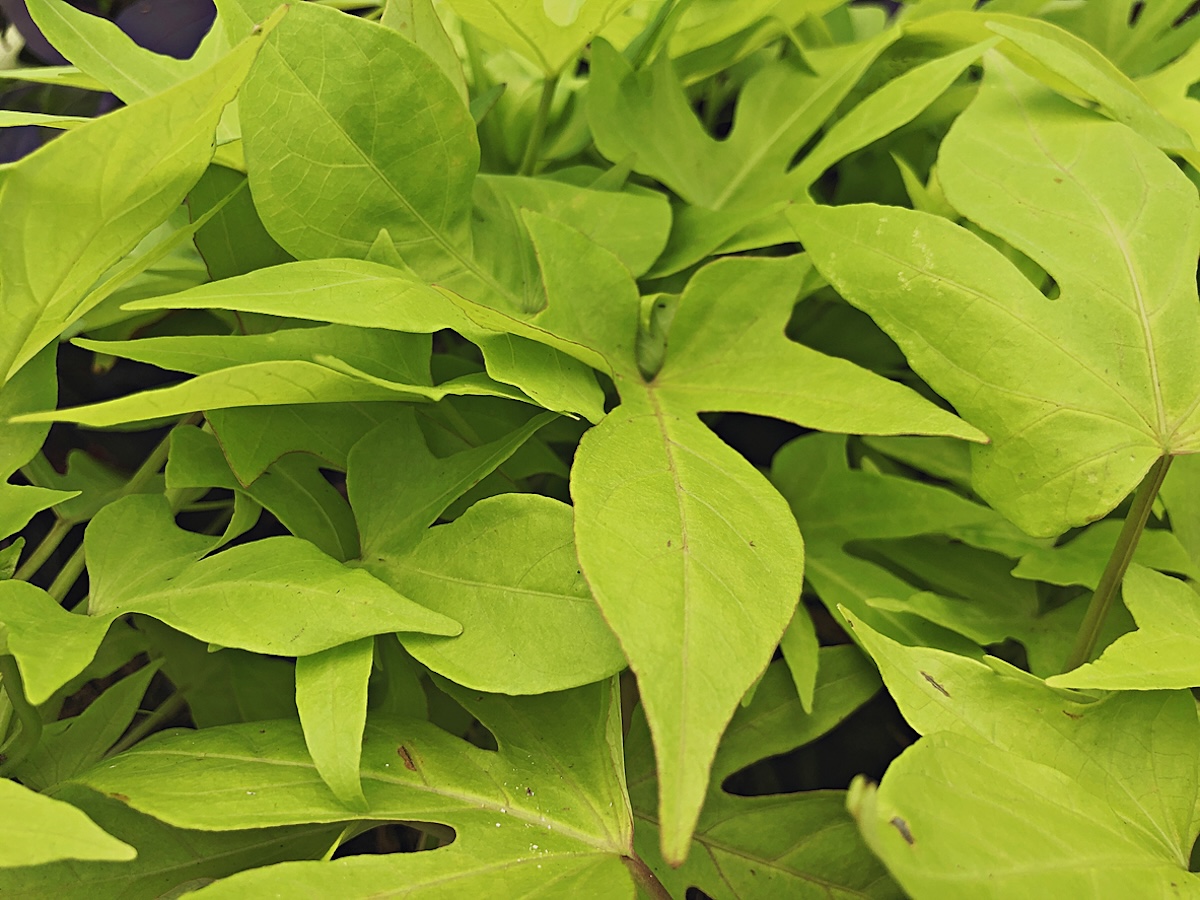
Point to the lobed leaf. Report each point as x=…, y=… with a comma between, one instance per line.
x=1079, y=394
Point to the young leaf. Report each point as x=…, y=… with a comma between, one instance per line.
x=550, y=33
x=394, y=508
x=331, y=695
x=38, y=829
x=418, y=21
x=1081, y=394
x=507, y=571
x=552, y=795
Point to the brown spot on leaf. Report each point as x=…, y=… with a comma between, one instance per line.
x=1071, y=715
x=120, y=797
x=937, y=687
x=901, y=826
x=402, y=752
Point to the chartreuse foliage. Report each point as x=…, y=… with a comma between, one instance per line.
x=467, y=558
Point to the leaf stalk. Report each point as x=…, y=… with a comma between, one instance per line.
x=31, y=722
x=43, y=551
x=645, y=878
x=533, y=149
x=1118, y=564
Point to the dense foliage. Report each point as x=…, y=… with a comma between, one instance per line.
x=578, y=437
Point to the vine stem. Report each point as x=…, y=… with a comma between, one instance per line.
x=541, y=119
x=31, y=722
x=645, y=877
x=1118, y=563
x=58, y=531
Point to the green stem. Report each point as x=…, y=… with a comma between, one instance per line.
x=156, y=460
x=31, y=722
x=67, y=576
x=541, y=120
x=645, y=877
x=43, y=551
x=1118, y=563
x=165, y=711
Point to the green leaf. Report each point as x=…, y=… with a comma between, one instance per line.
x=1161, y=653
x=550, y=33
x=1081, y=394
x=234, y=241
x=418, y=21
x=395, y=507
x=1137, y=43
x=1082, y=560
x=785, y=845
x=279, y=596
x=1131, y=754
x=726, y=355
x=555, y=786
x=266, y=383
x=652, y=483
x=253, y=437
x=292, y=489
x=633, y=225
x=1046, y=836
x=1181, y=494
x=225, y=686
x=35, y=386
x=67, y=76
x=38, y=829
x=835, y=505
x=674, y=532
x=1091, y=72
x=331, y=695
x=507, y=570
x=15, y=119
x=303, y=122
x=388, y=354
x=81, y=226
x=780, y=108
x=167, y=858
x=69, y=746
x=99, y=48
x=371, y=295
x=51, y=645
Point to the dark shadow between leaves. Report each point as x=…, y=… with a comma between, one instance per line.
x=864, y=744
x=398, y=837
